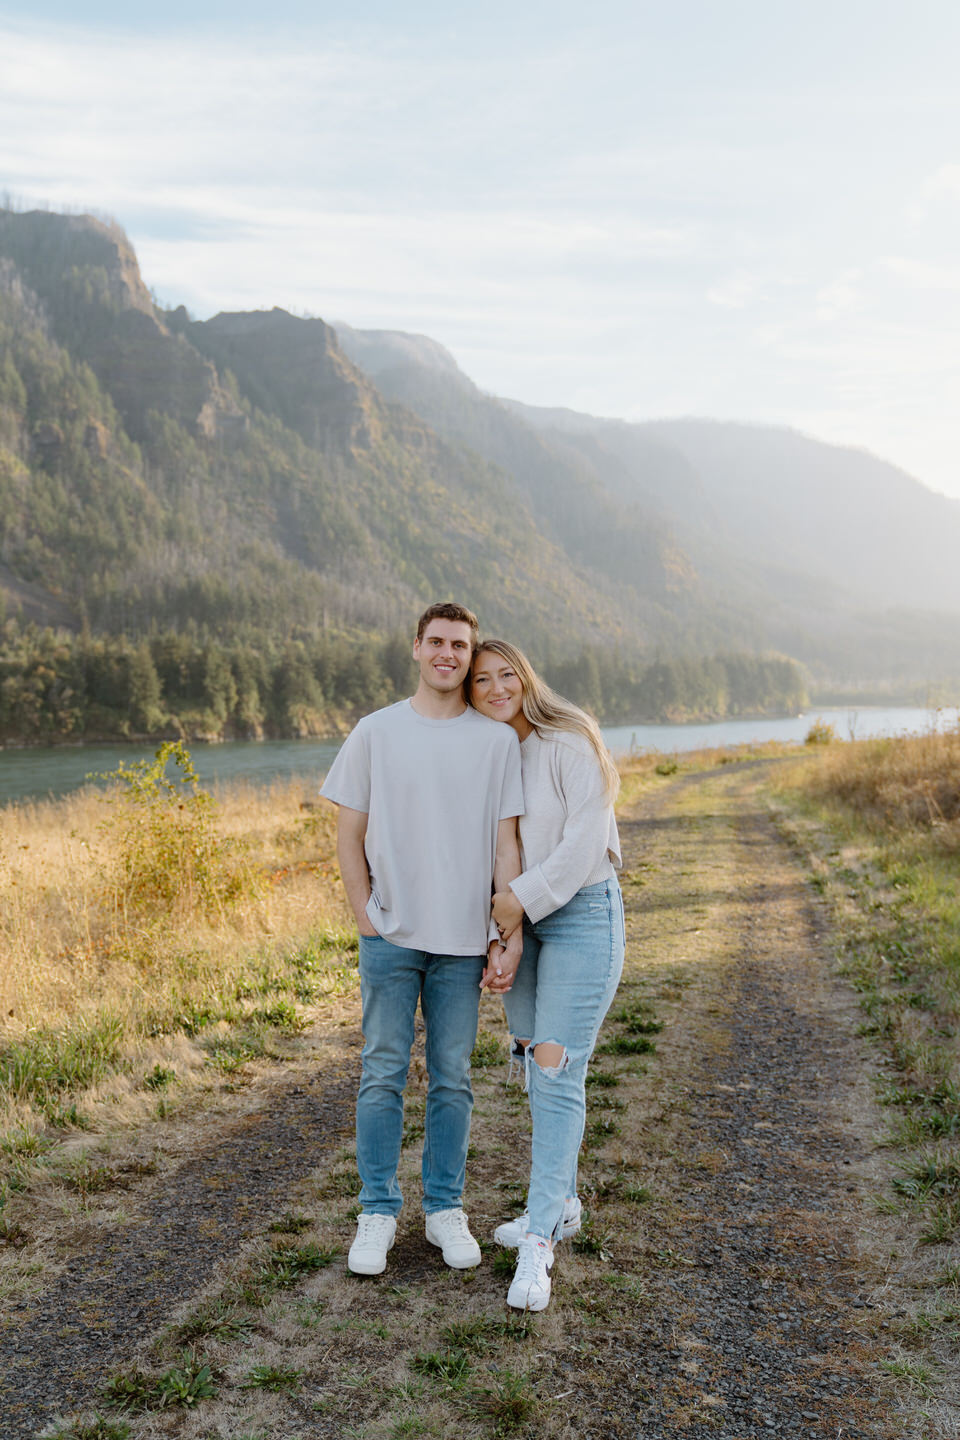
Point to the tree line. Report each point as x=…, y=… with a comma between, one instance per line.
x=57, y=685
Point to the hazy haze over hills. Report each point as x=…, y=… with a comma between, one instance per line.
x=839, y=558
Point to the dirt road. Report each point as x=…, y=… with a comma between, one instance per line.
x=729, y=1283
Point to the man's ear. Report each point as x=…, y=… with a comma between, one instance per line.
x=416, y=649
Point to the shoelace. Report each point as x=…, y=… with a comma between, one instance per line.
x=456, y=1226
x=372, y=1226
x=531, y=1263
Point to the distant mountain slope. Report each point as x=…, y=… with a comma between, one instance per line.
x=835, y=556
x=618, y=536
x=836, y=514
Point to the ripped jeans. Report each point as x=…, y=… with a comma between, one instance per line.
x=566, y=981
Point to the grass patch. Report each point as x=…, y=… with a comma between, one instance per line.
x=879, y=824
x=915, y=1375
x=291, y=1224
x=638, y=1019
x=219, y=1319
x=184, y=1384
x=48, y=1062
x=273, y=1378
x=504, y=1264
x=884, y=852
x=96, y=1429
x=481, y=1331
x=289, y=1263
x=489, y=1050
x=591, y=1241
x=627, y=1045
x=444, y=1367
x=509, y=1404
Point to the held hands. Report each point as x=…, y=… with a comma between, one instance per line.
x=507, y=912
x=502, y=962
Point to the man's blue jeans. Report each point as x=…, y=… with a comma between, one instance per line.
x=392, y=980
x=571, y=966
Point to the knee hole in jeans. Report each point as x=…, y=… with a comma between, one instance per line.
x=550, y=1057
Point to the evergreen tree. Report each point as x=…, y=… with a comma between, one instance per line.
x=144, y=699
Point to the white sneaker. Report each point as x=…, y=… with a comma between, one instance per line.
x=375, y=1236
x=449, y=1230
x=511, y=1232
x=530, y=1289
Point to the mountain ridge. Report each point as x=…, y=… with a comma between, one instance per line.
x=247, y=475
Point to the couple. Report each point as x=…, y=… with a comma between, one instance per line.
x=430, y=791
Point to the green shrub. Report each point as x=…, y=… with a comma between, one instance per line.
x=170, y=855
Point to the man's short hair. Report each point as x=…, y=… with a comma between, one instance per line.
x=448, y=610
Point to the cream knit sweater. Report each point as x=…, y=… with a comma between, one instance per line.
x=568, y=833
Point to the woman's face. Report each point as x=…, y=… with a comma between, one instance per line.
x=497, y=690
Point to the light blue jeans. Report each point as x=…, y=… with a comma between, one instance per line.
x=392, y=980
x=566, y=981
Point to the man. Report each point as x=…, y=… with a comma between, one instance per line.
x=428, y=793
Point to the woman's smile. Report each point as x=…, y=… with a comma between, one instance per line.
x=496, y=689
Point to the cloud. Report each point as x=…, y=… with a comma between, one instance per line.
x=938, y=192
x=921, y=275
x=841, y=295
x=694, y=243
x=734, y=292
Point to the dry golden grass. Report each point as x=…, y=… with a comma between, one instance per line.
x=902, y=784
x=879, y=822
x=70, y=946
x=91, y=961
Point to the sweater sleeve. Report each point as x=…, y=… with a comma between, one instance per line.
x=583, y=844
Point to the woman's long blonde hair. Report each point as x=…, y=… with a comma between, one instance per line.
x=546, y=710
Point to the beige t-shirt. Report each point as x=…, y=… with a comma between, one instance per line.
x=434, y=792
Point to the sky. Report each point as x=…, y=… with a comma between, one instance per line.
x=739, y=209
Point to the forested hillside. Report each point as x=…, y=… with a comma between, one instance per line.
x=229, y=526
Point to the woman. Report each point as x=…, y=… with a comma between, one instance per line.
x=568, y=901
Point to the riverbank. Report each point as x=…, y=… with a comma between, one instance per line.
x=31, y=773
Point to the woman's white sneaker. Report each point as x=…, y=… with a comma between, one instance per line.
x=375, y=1236
x=511, y=1232
x=449, y=1230
x=530, y=1289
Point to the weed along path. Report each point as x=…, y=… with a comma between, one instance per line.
x=726, y=1284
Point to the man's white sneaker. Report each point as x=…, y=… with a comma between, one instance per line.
x=449, y=1230
x=511, y=1232
x=530, y=1289
x=375, y=1236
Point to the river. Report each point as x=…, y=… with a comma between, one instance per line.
x=38, y=773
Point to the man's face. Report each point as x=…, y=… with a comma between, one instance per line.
x=443, y=654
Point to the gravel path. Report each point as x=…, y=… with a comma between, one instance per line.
x=57, y=1348
x=759, y=1321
